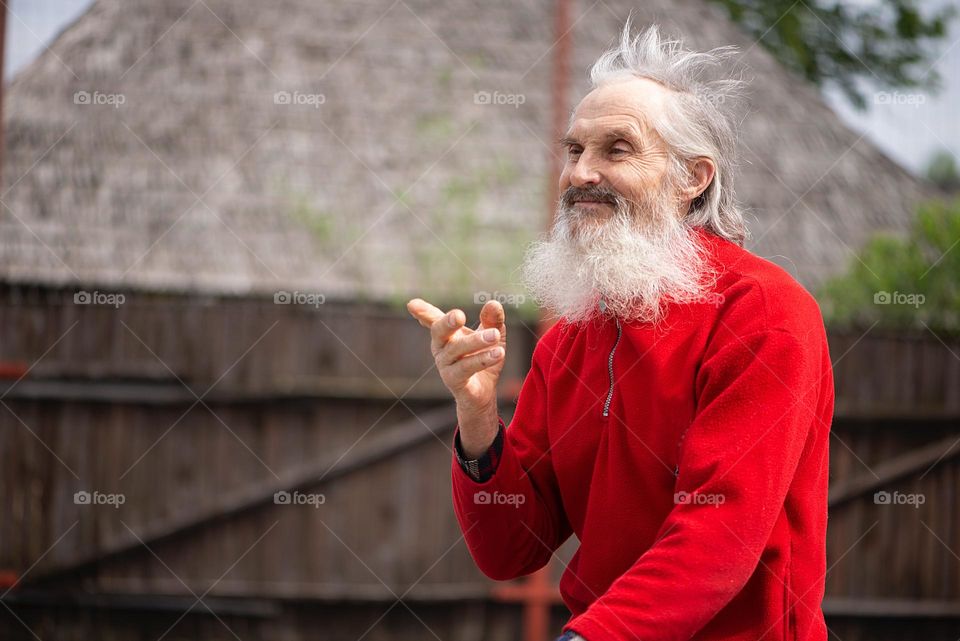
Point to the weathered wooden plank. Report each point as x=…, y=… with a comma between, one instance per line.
x=398, y=438
x=891, y=608
x=895, y=468
x=247, y=607
x=171, y=391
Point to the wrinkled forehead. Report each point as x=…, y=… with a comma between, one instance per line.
x=628, y=106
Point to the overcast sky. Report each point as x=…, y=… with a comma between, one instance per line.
x=908, y=132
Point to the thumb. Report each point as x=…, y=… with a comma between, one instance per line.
x=492, y=315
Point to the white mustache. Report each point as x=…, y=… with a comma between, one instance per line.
x=639, y=260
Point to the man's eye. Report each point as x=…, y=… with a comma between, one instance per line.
x=574, y=151
x=617, y=150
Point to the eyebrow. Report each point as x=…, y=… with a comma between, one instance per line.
x=613, y=135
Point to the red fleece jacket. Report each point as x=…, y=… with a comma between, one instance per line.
x=700, y=496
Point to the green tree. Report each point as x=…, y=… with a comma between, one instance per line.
x=942, y=171
x=903, y=282
x=887, y=42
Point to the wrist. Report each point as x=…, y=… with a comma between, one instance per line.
x=470, y=406
x=478, y=428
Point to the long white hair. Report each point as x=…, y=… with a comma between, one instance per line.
x=700, y=119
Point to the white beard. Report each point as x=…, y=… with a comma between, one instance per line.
x=637, y=261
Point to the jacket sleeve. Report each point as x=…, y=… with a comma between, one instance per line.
x=514, y=521
x=757, y=402
x=486, y=464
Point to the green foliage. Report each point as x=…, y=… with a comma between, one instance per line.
x=942, y=171
x=885, y=42
x=903, y=282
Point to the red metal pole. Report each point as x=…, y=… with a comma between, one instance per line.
x=560, y=81
x=536, y=616
x=3, y=44
x=538, y=592
x=8, y=370
x=543, y=593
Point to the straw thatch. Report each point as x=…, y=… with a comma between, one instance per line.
x=401, y=181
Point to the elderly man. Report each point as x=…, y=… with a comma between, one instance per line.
x=676, y=418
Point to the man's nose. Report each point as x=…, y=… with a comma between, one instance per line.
x=585, y=172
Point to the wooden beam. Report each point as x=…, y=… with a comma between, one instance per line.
x=172, y=392
x=257, y=608
x=891, y=608
x=262, y=600
x=320, y=591
x=880, y=411
x=894, y=469
x=403, y=436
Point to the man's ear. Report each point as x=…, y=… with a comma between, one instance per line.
x=702, y=171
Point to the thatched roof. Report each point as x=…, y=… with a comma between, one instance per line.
x=400, y=182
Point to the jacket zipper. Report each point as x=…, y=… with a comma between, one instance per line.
x=606, y=404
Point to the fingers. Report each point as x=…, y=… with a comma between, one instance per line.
x=459, y=351
x=470, y=365
x=442, y=326
x=483, y=339
x=423, y=311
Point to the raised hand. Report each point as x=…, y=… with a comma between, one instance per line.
x=469, y=362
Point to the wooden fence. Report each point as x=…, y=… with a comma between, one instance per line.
x=196, y=412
